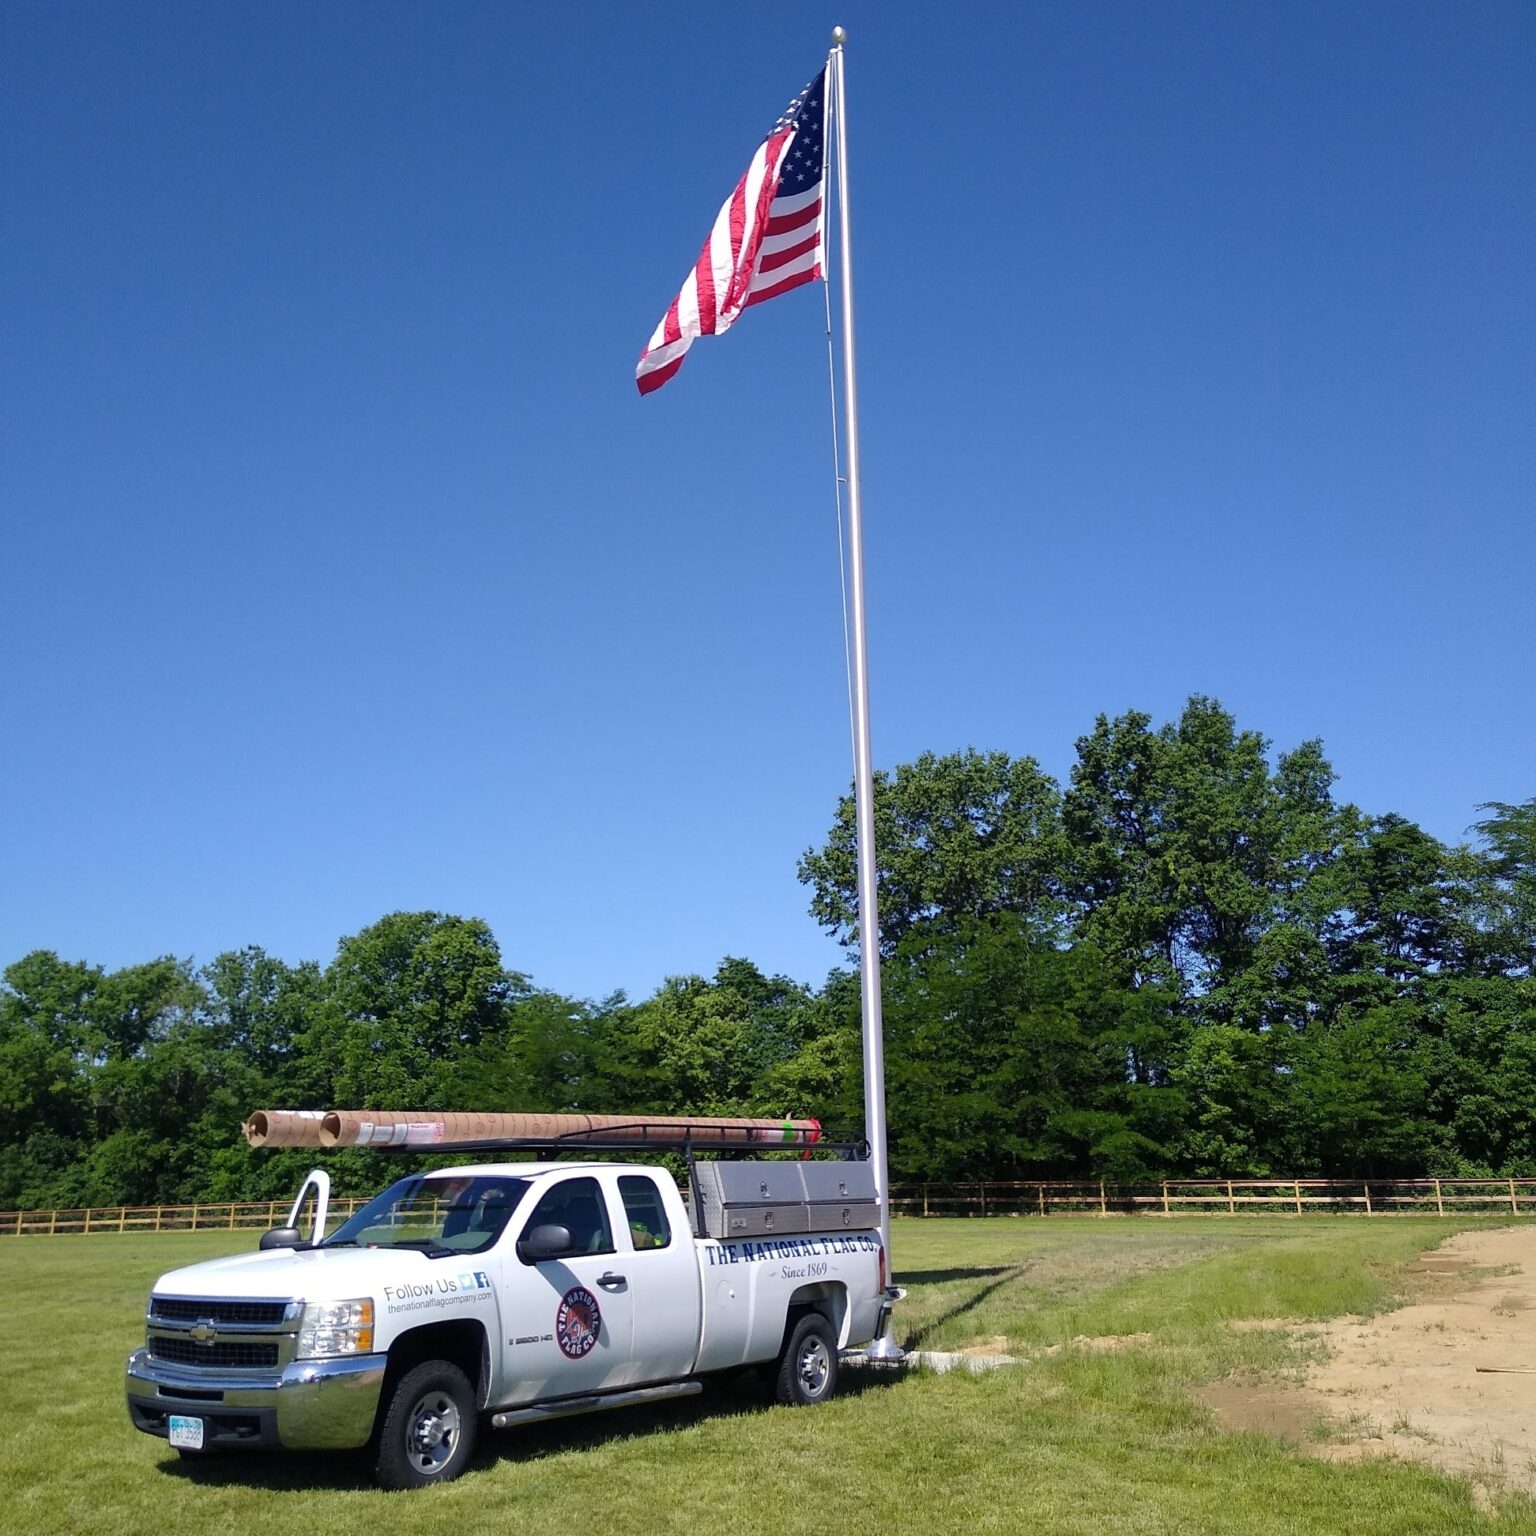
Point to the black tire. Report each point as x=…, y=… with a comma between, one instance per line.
x=427, y=1434
x=808, y=1367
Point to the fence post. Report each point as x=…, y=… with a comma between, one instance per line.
x=1514, y=1204
x=194, y=1218
x=1231, y=1203
x=159, y=1210
x=122, y=1219
x=1298, y=1197
x=1041, y=1190
x=1366, y=1186
x=1103, y=1208
x=231, y=1215
x=1166, y=1211
x=87, y=1229
x=1439, y=1201
x=925, y=1199
x=53, y=1222
x=18, y=1223
x=983, y=1199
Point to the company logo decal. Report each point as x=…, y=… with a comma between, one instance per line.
x=578, y=1323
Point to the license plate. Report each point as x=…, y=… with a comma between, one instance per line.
x=186, y=1433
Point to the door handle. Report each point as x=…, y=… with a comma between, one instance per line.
x=611, y=1281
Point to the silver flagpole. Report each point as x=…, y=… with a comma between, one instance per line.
x=863, y=772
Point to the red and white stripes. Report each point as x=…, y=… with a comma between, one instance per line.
x=766, y=240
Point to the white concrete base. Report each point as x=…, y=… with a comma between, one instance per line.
x=935, y=1360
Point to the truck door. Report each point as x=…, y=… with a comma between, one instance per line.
x=661, y=1270
x=568, y=1322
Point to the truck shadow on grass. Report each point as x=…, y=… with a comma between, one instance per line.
x=737, y=1396
x=740, y=1396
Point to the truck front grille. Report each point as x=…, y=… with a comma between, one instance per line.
x=218, y=1355
x=179, y=1309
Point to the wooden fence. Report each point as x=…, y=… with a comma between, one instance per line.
x=1369, y=1197
x=1233, y=1197
x=222, y=1216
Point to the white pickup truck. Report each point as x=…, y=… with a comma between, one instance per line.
x=516, y=1292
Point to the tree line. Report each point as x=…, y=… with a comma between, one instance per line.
x=1189, y=959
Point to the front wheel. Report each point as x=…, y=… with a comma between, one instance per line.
x=428, y=1431
x=808, y=1366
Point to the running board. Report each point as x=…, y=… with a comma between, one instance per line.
x=569, y=1405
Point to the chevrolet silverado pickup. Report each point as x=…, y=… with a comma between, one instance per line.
x=511, y=1293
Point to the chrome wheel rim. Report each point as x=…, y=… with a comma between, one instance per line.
x=433, y=1437
x=814, y=1366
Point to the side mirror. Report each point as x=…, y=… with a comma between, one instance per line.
x=549, y=1242
x=281, y=1237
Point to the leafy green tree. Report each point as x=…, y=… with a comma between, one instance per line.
x=262, y=1010
x=1237, y=1088
x=1361, y=1093
x=823, y=1076
x=705, y=1047
x=44, y=1091
x=1480, y=1060
x=1008, y=1056
x=1397, y=917
x=956, y=837
x=1510, y=869
x=1187, y=847
x=404, y=998
x=84, y=1118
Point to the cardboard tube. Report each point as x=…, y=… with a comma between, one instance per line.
x=431, y=1128
x=284, y=1128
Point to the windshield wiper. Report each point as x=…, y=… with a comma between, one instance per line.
x=429, y=1245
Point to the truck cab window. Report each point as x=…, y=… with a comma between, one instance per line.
x=644, y=1212
x=579, y=1207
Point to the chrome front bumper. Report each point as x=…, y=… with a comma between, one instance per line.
x=309, y=1405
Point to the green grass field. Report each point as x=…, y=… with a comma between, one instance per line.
x=1073, y=1442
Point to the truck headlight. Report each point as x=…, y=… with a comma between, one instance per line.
x=336, y=1328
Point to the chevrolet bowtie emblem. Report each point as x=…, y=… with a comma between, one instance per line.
x=203, y=1332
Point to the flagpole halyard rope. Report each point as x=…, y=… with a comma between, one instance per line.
x=837, y=497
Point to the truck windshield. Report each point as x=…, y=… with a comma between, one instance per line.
x=440, y=1215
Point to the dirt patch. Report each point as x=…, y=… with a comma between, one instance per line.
x=1408, y=1383
x=982, y=1348
x=1269, y=1407
x=1100, y=1344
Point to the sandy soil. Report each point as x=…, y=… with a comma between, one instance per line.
x=1408, y=1383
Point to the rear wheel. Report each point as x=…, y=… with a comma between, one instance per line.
x=808, y=1366
x=428, y=1431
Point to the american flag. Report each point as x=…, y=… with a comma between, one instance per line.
x=766, y=239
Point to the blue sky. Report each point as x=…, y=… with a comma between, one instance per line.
x=343, y=570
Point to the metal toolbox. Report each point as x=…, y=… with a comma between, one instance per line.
x=851, y=1215
x=837, y=1183
x=752, y=1199
x=763, y=1199
x=841, y=1196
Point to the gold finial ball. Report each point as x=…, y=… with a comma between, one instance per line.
x=839, y=37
